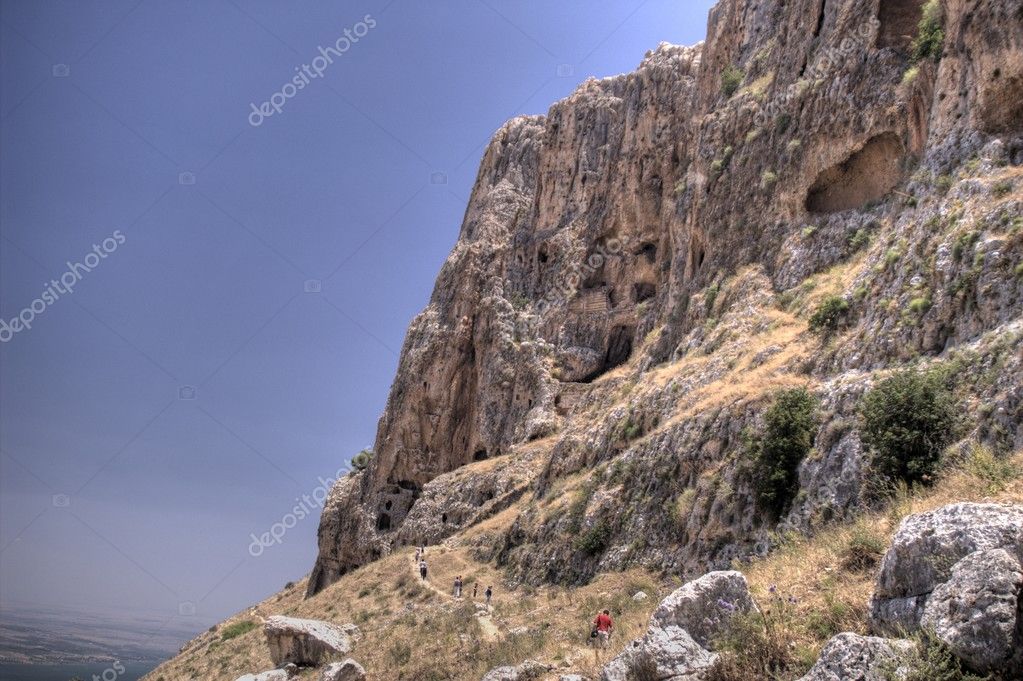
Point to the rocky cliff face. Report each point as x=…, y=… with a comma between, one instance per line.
x=634, y=272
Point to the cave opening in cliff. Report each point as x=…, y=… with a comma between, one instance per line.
x=866, y=175
x=643, y=291
x=480, y=455
x=619, y=349
x=648, y=251
x=384, y=522
x=899, y=21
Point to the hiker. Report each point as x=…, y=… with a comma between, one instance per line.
x=419, y=554
x=458, y=586
x=488, y=594
x=475, y=588
x=422, y=569
x=603, y=625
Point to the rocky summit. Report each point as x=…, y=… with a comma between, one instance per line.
x=747, y=320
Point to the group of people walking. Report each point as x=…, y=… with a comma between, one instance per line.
x=457, y=589
x=600, y=634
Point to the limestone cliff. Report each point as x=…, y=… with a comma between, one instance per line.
x=635, y=269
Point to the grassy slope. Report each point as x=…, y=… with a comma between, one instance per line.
x=830, y=576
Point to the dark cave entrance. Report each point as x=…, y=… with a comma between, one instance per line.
x=866, y=175
x=619, y=349
x=384, y=522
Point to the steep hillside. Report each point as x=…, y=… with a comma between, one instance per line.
x=637, y=269
x=694, y=314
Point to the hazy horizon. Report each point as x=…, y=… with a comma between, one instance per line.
x=220, y=268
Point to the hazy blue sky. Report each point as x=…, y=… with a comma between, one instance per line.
x=190, y=388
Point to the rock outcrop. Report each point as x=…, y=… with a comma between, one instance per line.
x=349, y=670
x=864, y=658
x=976, y=613
x=272, y=675
x=306, y=642
x=925, y=552
x=525, y=671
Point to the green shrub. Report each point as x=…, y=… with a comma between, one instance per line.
x=1001, y=188
x=995, y=471
x=908, y=419
x=768, y=179
x=237, y=629
x=790, y=425
x=362, y=459
x=919, y=306
x=860, y=239
x=829, y=315
x=710, y=296
x=782, y=123
x=594, y=540
x=930, y=33
x=731, y=79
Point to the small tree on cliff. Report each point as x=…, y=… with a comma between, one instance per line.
x=362, y=459
x=790, y=426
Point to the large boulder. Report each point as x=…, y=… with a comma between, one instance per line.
x=349, y=670
x=523, y=672
x=976, y=612
x=851, y=657
x=704, y=606
x=664, y=653
x=682, y=632
x=305, y=642
x=925, y=549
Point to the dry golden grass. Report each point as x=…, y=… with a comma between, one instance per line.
x=829, y=576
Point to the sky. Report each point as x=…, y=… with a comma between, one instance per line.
x=206, y=272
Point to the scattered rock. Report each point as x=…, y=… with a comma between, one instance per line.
x=571, y=677
x=704, y=606
x=663, y=653
x=523, y=672
x=976, y=611
x=863, y=658
x=927, y=546
x=272, y=675
x=639, y=596
x=349, y=670
x=304, y=642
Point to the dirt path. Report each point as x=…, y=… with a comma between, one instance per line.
x=490, y=631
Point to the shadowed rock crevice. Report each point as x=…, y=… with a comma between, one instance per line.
x=867, y=175
x=899, y=20
x=1002, y=103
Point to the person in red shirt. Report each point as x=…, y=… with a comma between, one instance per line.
x=603, y=625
